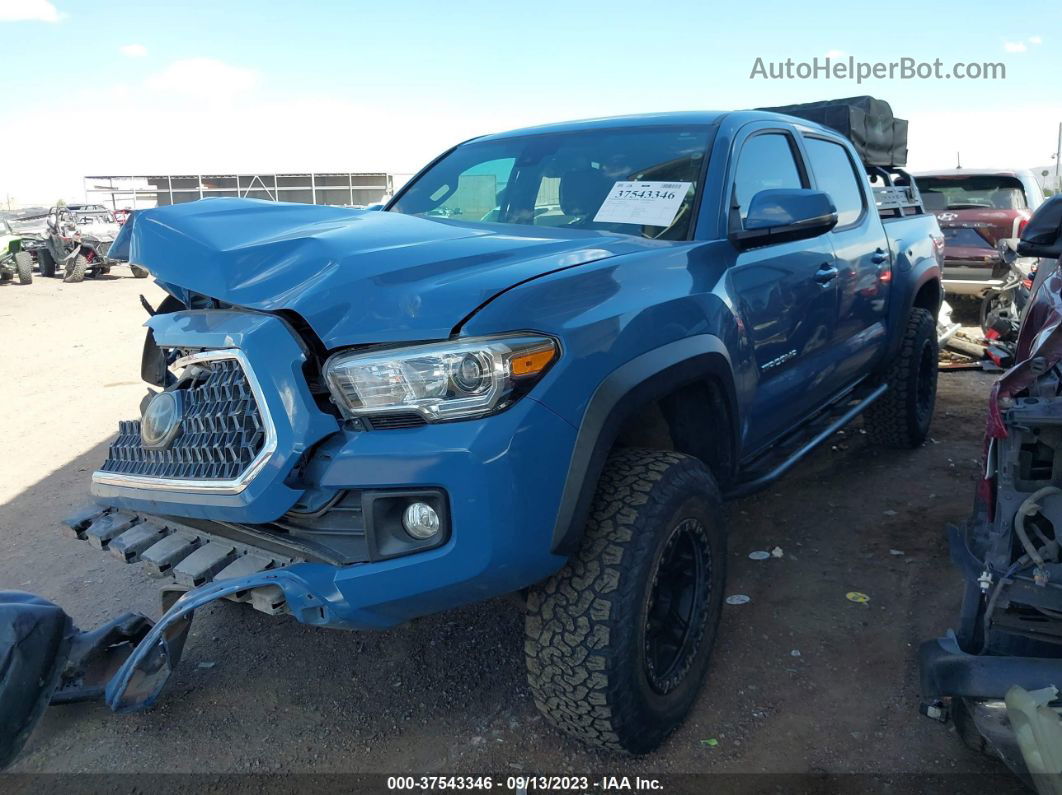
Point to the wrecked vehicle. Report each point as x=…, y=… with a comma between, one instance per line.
x=14, y=261
x=78, y=241
x=361, y=417
x=998, y=674
x=976, y=209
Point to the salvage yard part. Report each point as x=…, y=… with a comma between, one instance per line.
x=580, y=387
x=995, y=675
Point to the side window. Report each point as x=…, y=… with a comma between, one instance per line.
x=766, y=161
x=835, y=174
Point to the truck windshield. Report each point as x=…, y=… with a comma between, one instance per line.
x=637, y=181
x=976, y=191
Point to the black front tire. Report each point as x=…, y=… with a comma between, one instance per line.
x=616, y=651
x=24, y=267
x=76, y=269
x=900, y=418
x=46, y=263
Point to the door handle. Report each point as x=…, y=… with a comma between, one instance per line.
x=825, y=274
x=880, y=256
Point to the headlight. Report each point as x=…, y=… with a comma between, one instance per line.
x=440, y=381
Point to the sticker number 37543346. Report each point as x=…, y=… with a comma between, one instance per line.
x=642, y=203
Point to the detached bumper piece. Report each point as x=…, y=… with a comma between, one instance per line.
x=189, y=556
x=947, y=671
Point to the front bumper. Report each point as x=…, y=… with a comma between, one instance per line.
x=501, y=493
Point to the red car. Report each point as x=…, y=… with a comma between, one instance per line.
x=975, y=209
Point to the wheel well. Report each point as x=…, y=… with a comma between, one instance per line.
x=928, y=297
x=694, y=419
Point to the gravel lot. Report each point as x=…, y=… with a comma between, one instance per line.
x=803, y=680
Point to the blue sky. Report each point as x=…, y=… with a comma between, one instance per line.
x=216, y=86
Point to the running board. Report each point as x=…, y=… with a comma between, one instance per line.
x=760, y=481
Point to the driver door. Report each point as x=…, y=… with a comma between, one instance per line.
x=786, y=295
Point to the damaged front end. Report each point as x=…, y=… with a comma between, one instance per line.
x=46, y=660
x=997, y=675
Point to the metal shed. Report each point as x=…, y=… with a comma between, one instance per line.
x=339, y=188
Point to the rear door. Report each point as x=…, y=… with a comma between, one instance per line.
x=862, y=258
x=786, y=292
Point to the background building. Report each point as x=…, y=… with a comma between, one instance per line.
x=134, y=192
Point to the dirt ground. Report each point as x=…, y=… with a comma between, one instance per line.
x=802, y=681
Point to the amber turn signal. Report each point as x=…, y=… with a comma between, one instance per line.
x=532, y=363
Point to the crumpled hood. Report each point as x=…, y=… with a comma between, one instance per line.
x=355, y=276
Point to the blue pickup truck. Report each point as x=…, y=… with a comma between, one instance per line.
x=540, y=369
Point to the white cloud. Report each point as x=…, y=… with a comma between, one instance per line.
x=836, y=54
x=1036, y=40
x=133, y=50
x=1014, y=46
x=203, y=78
x=28, y=11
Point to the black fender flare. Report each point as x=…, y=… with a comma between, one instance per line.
x=646, y=378
x=925, y=271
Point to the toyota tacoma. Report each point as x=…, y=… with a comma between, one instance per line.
x=540, y=369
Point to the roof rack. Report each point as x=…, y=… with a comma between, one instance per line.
x=897, y=195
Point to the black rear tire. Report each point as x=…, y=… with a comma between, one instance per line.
x=75, y=271
x=24, y=267
x=617, y=643
x=46, y=262
x=900, y=418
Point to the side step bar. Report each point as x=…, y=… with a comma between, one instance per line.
x=760, y=481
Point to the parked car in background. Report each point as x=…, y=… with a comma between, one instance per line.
x=976, y=208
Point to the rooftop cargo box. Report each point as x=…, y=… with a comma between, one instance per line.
x=878, y=136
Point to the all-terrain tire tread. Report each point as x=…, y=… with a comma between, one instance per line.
x=888, y=420
x=76, y=271
x=46, y=263
x=24, y=267
x=571, y=646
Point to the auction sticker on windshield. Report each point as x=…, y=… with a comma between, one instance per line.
x=642, y=203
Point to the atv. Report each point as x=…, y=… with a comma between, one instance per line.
x=14, y=261
x=79, y=240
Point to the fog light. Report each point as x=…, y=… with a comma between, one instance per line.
x=420, y=520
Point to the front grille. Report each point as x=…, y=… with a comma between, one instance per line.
x=222, y=431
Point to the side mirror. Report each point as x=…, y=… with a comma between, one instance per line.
x=1043, y=234
x=783, y=214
